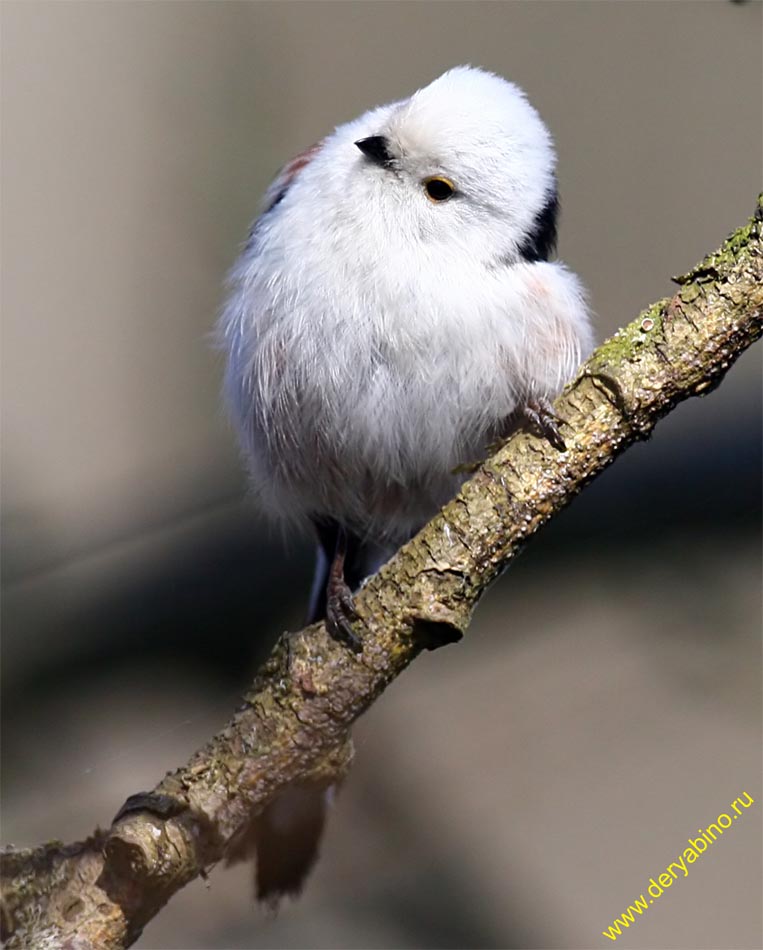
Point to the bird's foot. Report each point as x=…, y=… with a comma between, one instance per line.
x=340, y=604
x=540, y=415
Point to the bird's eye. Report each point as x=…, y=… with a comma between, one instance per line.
x=439, y=189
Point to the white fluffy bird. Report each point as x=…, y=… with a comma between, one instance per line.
x=393, y=312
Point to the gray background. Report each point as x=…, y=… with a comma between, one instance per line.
x=517, y=790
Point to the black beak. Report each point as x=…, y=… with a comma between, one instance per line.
x=376, y=147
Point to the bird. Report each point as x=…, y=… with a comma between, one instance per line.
x=395, y=310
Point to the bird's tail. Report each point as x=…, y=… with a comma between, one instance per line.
x=285, y=837
x=284, y=840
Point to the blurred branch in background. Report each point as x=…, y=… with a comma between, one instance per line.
x=294, y=725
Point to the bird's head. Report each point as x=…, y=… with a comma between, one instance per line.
x=466, y=161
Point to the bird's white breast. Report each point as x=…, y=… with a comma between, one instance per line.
x=366, y=362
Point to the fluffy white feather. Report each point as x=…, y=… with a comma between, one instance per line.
x=376, y=339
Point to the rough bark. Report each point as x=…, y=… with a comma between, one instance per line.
x=294, y=723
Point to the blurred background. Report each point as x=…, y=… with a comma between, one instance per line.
x=516, y=790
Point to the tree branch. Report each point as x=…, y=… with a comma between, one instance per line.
x=293, y=726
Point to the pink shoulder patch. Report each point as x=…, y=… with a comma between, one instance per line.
x=286, y=176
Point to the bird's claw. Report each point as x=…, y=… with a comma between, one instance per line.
x=340, y=615
x=340, y=605
x=540, y=414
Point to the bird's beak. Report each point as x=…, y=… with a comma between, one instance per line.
x=376, y=147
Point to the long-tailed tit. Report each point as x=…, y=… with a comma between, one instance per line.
x=394, y=311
